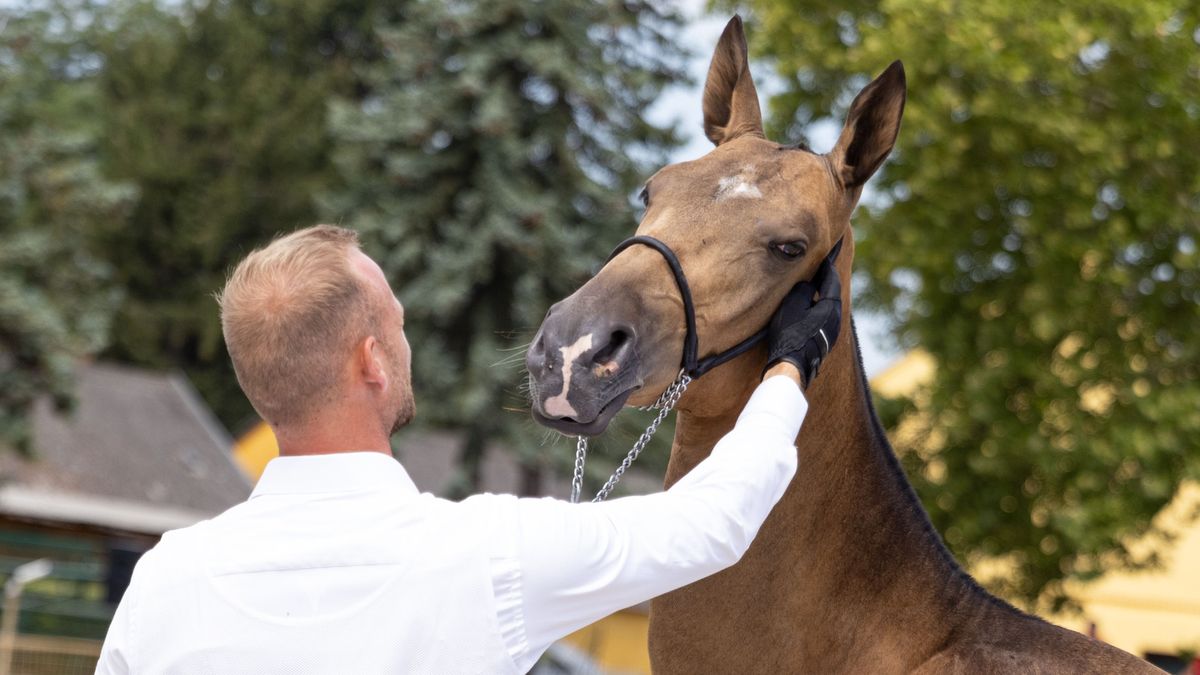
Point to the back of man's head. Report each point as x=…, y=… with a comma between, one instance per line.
x=291, y=314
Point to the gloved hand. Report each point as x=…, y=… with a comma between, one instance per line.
x=804, y=328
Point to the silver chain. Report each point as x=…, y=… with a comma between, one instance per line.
x=665, y=404
x=580, y=458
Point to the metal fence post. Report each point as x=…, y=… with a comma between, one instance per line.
x=23, y=575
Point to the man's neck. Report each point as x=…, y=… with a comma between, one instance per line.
x=327, y=438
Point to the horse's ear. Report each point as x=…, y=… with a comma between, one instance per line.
x=871, y=128
x=730, y=100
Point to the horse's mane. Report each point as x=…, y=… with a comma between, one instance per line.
x=909, y=496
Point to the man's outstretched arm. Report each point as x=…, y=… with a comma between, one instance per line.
x=581, y=562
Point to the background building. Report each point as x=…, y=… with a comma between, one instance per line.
x=138, y=455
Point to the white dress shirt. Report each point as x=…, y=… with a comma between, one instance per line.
x=336, y=564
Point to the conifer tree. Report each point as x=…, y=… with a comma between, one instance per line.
x=56, y=299
x=490, y=171
x=217, y=112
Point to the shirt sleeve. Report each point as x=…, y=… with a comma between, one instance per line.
x=581, y=562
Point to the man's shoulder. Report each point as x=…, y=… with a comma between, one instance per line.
x=184, y=542
x=177, y=543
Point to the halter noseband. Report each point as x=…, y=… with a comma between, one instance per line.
x=692, y=366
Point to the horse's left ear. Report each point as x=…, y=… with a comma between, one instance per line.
x=871, y=128
x=730, y=99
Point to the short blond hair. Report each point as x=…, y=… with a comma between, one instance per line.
x=290, y=313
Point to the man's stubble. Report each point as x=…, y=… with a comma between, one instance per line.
x=402, y=407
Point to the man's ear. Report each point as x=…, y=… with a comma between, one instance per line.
x=371, y=362
x=871, y=128
x=730, y=99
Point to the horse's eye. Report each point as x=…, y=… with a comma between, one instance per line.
x=790, y=249
x=645, y=197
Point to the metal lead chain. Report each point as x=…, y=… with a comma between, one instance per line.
x=665, y=404
x=580, y=458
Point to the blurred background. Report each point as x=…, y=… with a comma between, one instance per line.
x=1027, y=276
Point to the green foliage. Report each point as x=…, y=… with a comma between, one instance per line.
x=490, y=171
x=1036, y=231
x=217, y=111
x=56, y=299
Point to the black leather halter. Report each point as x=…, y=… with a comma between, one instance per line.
x=692, y=366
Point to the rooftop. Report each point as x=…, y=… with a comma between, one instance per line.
x=137, y=442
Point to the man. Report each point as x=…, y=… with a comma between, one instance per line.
x=336, y=564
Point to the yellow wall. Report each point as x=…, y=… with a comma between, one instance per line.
x=617, y=642
x=254, y=449
x=902, y=377
x=1151, y=611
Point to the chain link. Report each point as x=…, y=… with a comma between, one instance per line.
x=580, y=457
x=665, y=404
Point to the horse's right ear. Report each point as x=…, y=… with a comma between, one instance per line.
x=730, y=99
x=871, y=128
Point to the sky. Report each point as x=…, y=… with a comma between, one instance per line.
x=680, y=105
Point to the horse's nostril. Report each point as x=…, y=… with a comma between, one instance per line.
x=539, y=359
x=617, y=340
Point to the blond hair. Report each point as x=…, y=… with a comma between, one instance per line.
x=290, y=313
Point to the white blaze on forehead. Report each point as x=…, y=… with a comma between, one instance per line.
x=739, y=186
x=558, y=406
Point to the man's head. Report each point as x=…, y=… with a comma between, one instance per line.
x=312, y=328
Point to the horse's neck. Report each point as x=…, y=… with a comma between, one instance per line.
x=848, y=546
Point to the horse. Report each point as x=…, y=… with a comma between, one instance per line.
x=847, y=574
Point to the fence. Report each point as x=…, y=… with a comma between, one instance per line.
x=46, y=655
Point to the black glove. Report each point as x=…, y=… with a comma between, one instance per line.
x=804, y=329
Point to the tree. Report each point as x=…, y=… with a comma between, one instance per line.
x=490, y=171
x=56, y=298
x=1036, y=232
x=217, y=111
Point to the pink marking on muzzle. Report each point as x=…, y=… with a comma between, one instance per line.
x=558, y=405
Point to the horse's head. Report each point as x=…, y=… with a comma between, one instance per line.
x=746, y=221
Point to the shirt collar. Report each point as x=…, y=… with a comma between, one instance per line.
x=336, y=472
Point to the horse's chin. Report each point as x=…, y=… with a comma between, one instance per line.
x=571, y=427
